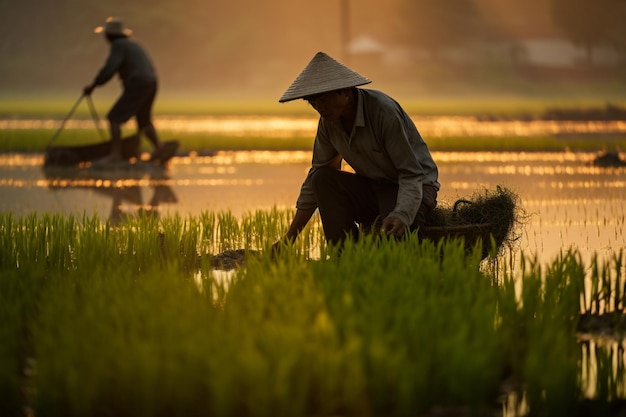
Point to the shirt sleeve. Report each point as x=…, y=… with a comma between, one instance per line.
x=112, y=64
x=324, y=154
x=398, y=136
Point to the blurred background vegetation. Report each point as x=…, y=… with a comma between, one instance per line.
x=250, y=49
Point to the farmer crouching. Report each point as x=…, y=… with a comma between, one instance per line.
x=395, y=178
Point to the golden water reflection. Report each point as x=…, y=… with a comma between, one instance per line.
x=603, y=367
x=581, y=161
x=279, y=126
x=568, y=202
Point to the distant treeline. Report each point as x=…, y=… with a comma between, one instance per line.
x=247, y=44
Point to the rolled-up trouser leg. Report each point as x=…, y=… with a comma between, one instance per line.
x=343, y=199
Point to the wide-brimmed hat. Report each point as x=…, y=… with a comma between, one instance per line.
x=321, y=75
x=113, y=26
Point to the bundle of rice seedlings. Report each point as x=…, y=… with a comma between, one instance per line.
x=485, y=215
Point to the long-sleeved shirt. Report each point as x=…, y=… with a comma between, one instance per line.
x=130, y=60
x=384, y=145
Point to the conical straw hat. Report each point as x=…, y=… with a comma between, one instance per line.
x=321, y=75
x=113, y=26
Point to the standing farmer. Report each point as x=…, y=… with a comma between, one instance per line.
x=136, y=71
x=395, y=180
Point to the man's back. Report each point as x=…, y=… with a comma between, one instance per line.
x=130, y=60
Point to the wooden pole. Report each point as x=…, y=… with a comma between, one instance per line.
x=344, y=22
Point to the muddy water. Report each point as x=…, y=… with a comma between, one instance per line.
x=568, y=202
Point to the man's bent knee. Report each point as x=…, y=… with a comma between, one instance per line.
x=323, y=175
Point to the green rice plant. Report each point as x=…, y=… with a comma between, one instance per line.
x=13, y=353
x=132, y=319
x=37, y=139
x=425, y=327
x=29, y=250
x=607, y=287
x=510, y=322
x=284, y=340
x=208, y=142
x=526, y=105
x=120, y=344
x=551, y=308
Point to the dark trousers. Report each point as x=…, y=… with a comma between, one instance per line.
x=136, y=100
x=346, y=200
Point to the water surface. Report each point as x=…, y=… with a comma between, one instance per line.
x=288, y=126
x=568, y=202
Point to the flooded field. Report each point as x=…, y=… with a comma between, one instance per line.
x=568, y=202
x=285, y=127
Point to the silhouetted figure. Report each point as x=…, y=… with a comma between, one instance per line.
x=136, y=71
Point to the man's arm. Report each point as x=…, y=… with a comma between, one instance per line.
x=324, y=154
x=111, y=66
x=300, y=220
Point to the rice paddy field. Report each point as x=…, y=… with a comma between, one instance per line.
x=136, y=320
x=135, y=315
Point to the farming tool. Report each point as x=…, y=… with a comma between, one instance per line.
x=73, y=156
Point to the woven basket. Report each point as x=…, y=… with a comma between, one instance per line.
x=471, y=234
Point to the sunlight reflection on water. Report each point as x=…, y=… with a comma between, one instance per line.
x=273, y=126
x=569, y=202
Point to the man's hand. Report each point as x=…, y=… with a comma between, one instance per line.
x=88, y=90
x=278, y=245
x=392, y=226
x=297, y=224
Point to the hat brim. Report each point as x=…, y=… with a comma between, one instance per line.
x=317, y=91
x=101, y=29
x=322, y=75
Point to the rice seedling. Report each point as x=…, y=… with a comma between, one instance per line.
x=13, y=352
x=36, y=140
x=603, y=300
x=133, y=319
